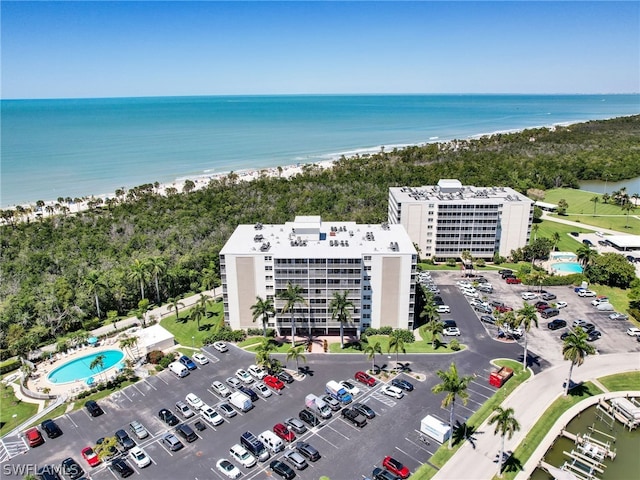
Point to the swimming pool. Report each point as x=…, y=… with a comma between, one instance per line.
x=566, y=256
x=78, y=369
x=566, y=267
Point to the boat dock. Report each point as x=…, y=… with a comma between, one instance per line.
x=624, y=410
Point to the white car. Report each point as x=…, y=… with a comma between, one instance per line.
x=605, y=307
x=211, y=416
x=220, y=388
x=598, y=301
x=257, y=371
x=443, y=309
x=139, y=457
x=392, y=391
x=529, y=296
x=451, y=332
x=227, y=468
x=633, y=331
x=586, y=293
x=262, y=389
x=240, y=454
x=470, y=293
x=350, y=387
x=561, y=305
x=194, y=401
x=244, y=376
x=221, y=347
x=514, y=332
x=464, y=284
x=200, y=358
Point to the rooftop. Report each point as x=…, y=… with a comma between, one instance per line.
x=453, y=190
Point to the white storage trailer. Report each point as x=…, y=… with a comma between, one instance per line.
x=435, y=429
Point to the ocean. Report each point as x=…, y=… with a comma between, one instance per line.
x=83, y=147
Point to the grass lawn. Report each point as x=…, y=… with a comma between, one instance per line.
x=617, y=296
x=100, y=394
x=184, y=329
x=617, y=223
x=622, y=381
x=567, y=243
x=419, y=346
x=13, y=411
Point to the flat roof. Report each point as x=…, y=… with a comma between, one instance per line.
x=452, y=191
x=625, y=241
x=545, y=204
x=153, y=335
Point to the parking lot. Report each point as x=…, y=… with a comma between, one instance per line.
x=346, y=451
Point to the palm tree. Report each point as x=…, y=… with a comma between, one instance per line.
x=430, y=312
x=199, y=310
x=370, y=351
x=98, y=363
x=340, y=310
x=627, y=207
x=435, y=328
x=585, y=255
x=175, y=303
x=506, y=426
x=95, y=284
x=263, y=309
x=526, y=316
x=292, y=296
x=396, y=344
x=263, y=352
x=534, y=229
x=141, y=312
x=138, y=272
x=537, y=277
x=595, y=201
x=575, y=349
x=209, y=278
x=454, y=386
x=297, y=355
x=555, y=237
x=156, y=266
x=127, y=344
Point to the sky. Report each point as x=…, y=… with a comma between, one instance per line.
x=130, y=49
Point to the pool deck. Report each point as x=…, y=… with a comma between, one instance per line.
x=38, y=381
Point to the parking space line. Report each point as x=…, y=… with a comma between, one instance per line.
x=71, y=420
x=411, y=457
x=421, y=447
x=330, y=443
x=162, y=379
x=141, y=393
x=339, y=433
x=147, y=382
x=486, y=387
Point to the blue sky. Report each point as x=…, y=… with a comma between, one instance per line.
x=114, y=49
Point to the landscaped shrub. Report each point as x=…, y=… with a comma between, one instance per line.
x=386, y=330
x=480, y=262
x=159, y=368
x=10, y=366
x=225, y=334
x=166, y=360
x=454, y=345
x=407, y=336
x=271, y=332
x=154, y=356
x=451, y=262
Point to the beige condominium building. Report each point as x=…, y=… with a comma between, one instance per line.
x=444, y=220
x=375, y=264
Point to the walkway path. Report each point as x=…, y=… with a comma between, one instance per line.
x=477, y=462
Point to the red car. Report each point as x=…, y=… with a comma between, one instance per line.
x=90, y=456
x=395, y=467
x=273, y=382
x=513, y=280
x=283, y=432
x=34, y=437
x=365, y=378
x=503, y=309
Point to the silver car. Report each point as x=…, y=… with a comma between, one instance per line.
x=296, y=460
x=295, y=424
x=220, y=388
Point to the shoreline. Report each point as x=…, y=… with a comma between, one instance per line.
x=51, y=208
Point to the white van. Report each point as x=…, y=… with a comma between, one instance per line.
x=271, y=441
x=179, y=369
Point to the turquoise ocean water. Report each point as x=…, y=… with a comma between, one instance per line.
x=81, y=147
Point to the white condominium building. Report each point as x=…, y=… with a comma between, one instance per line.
x=375, y=264
x=448, y=218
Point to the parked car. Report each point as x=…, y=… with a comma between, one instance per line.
x=284, y=376
x=282, y=469
x=483, y=309
x=122, y=468
x=586, y=293
x=309, y=418
x=587, y=327
x=513, y=280
x=365, y=378
x=194, y=401
x=221, y=347
x=350, y=388
x=172, y=442
x=578, y=322
x=504, y=309
x=549, y=312
x=51, y=428
x=273, y=382
x=593, y=335
x=34, y=437
x=168, y=417
x=211, y=416
x=561, y=305
x=505, y=271
x=227, y=410
x=233, y=382
x=548, y=296
x=382, y=474
x=395, y=467
x=633, y=331
x=184, y=410
x=529, y=295
x=249, y=393
x=200, y=358
x=139, y=457
x=392, y=391
x=262, y=389
x=332, y=402
x=451, y=331
x=257, y=371
x=488, y=319
x=244, y=376
x=295, y=424
x=93, y=408
x=618, y=316
x=71, y=469
x=354, y=417
x=296, y=460
x=242, y=456
x=556, y=324
x=283, y=432
x=90, y=456
x=124, y=440
x=138, y=429
x=443, y=309
x=605, y=307
x=308, y=451
x=220, y=388
x=187, y=362
x=227, y=468
x=485, y=288
x=402, y=384
x=363, y=409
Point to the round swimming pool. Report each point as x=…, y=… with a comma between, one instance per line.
x=78, y=369
x=567, y=267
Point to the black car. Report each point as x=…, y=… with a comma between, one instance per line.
x=564, y=335
x=168, y=417
x=284, y=376
x=505, y=271
x=282, y=469
x=308, y=451
x=556, y=324
x=403, y=384
x=309, y=418
x=496, y=303
x=587, y=327
x=122, y=467
x=574, y=234
x=48, y=472
x=72, y=469
x=363, y=409
x=186, y=432
x=437, y=300
x=354, y=417
x=593, y=336
x=125, y=441
x=51, y=428
x=382, y=474
x=488, y=319
x=93, y=408
x=450, y=324
x=587, y=242
x=249, y=393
